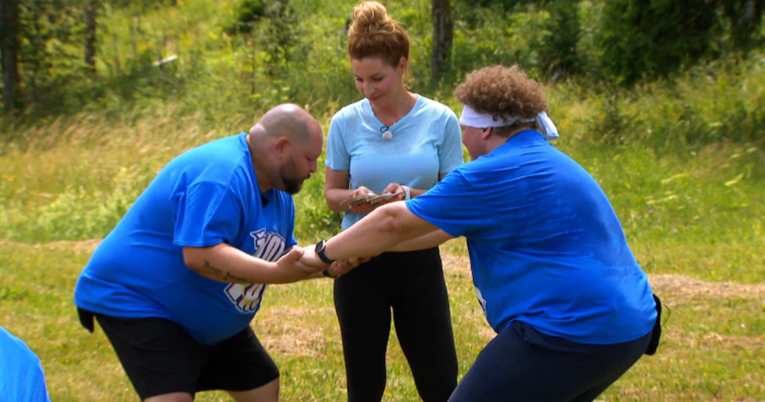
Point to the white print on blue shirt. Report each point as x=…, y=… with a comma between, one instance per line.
x=269, y=247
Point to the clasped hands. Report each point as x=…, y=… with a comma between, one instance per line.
x=337, y=268
x=301, y=263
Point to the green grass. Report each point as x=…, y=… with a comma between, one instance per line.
x=712, y=348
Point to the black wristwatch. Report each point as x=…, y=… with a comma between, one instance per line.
x=319, y=250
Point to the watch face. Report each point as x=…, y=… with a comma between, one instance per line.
x=320, y=252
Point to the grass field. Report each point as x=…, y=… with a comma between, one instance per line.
x=695, y=219
x=712, y=349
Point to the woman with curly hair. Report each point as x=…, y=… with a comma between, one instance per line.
x=552, y=270
x=398, y=142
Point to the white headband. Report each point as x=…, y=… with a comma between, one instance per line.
x=471, y=118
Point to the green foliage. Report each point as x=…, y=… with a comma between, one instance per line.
x=51, y=53
x=558, y=55
x=612, y=122
x=220, y=84
x=296, y=50
x=73, y=214
x=504, y=4
x=246, y=14
x=653, y=38
x=742, y=23
x=67, y=180
x=717, y=102
x=281, y=34
x=497, y=38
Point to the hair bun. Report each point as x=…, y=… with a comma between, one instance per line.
x=370, y=17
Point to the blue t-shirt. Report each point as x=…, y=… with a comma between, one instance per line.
x=545, y=245
x=206, y=196
x=21, y=375
x=425, y=143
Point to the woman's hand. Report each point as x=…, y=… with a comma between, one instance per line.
x=364, y=206
x=394, y=188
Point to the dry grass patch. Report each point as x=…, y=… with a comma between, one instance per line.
x=678, y=288
x=293, y=331
x=78, y=247
x=675, y=288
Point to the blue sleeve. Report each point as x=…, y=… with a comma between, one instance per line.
x=290, y=240
x=21, y=374
x=450, y=153
x=338, y=157
x=37, y=388
x=207, y=214
x=453, y=206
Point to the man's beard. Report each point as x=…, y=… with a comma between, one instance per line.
x=292, y=184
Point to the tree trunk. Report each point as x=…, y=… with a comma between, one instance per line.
x=443, y=32
x=9, y=46
x=91, y=12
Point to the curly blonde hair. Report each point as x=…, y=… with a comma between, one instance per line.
x=375, y=34
x=502, y=92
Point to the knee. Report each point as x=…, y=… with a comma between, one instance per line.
x=265, y=393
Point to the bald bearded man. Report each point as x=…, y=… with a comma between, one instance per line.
x=175, y=285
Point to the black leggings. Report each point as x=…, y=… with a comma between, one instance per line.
x=412, y=284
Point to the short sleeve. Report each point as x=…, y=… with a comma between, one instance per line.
x=453, y=206
x=291, y=241
x=21, y=374
x=207, y=214
x=338, y=157
x=450, y=153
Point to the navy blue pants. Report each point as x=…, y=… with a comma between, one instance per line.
x=524, y=365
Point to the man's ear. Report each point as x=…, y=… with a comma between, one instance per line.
x=486, y=133
x=281, y=146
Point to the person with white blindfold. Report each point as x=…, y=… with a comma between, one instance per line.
x=552, y=270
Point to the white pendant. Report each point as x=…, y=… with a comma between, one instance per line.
x=387, y=135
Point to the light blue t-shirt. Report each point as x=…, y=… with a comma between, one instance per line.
x=21, y=375
x=206, y=196
x=546, y=247
x=425, y=143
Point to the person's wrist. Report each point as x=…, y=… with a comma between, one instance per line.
x=320, y=251
x=407, y=193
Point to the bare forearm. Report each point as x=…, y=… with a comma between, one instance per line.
x=379, y=231
x=227, y=264
x=428, y=240
x=335, y=197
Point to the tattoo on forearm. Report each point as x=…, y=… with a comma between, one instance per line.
x=210, y=268
x=228, y=276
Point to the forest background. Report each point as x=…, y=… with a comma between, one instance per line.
x=662, y=101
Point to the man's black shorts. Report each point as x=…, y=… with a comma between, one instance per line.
x=160, y=357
